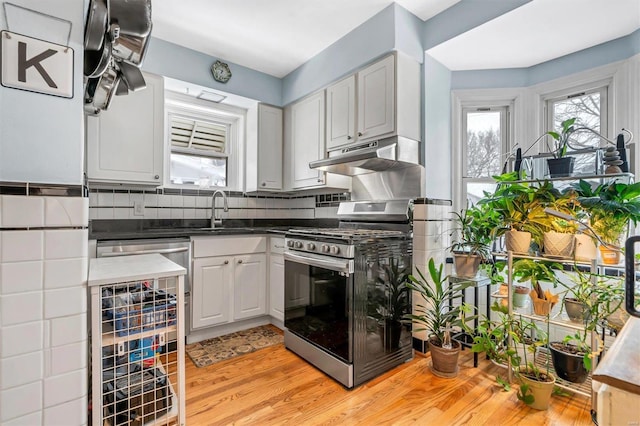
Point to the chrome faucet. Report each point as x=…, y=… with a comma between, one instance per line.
x=214, y=220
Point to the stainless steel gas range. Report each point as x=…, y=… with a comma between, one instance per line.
x=344, y=294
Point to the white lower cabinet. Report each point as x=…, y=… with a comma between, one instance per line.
x=229, y=280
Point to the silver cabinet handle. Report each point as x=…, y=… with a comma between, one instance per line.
x=360, y=133
x=240, y=261
x=226, y=262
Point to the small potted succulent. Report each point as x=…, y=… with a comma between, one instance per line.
x=437, y=314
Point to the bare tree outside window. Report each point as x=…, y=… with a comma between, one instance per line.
x=586, y=108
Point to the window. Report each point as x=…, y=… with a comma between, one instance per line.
x=204, y=149
x=198, y=152
x=589, y=107
x=484, y=144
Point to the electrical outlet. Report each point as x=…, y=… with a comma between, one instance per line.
x=138, y=208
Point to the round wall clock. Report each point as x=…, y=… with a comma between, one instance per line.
x=221, y=72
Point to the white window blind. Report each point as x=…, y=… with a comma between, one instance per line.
x=195, y=134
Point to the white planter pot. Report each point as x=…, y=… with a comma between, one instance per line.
x=585, y=248
x=558, y=244
x=517, y=241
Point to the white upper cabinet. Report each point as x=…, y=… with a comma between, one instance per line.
x=305, y=142
x=379, y=101
x=125, y=143
x=341, y=113
x=264, y=149
x=376, y=99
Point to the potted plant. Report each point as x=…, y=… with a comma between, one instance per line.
x=611, y=206
x=436, y=315
x=561, y=165
x=599, y=297
x=473, y=239
x=390, y=301
x=535, y=272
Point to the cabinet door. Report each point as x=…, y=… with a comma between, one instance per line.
x=341, y=113
x=307, y=134
x=269, y=147
x=125, y=143
x=376, y=99
x=250, y=286
x=210, y=293
x=276, y=286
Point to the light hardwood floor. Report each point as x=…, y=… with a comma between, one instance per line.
x=274, y=386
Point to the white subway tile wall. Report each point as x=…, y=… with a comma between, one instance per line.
x=43, y=307
x=116, y=204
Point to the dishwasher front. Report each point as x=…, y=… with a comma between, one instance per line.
x=178, y=250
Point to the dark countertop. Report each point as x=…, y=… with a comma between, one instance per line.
x=174, y=228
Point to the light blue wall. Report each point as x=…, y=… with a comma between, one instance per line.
x=408, y=33
x=368, y=41
x=42, y=136
x=437, y=123
x=602, y=54
x=170, y=60
x=462, y=17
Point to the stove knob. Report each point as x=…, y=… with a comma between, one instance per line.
x=335, y=249
x=290, y=243
x=325, y=248
x=311, y=246
x=298, y=244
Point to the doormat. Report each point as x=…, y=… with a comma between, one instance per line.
x=231, y=345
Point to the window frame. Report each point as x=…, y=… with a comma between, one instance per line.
x=192, y=108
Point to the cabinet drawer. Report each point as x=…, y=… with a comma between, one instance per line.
x=225, y=246
x=276, y=245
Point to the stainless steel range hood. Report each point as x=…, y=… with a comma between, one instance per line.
x=377, y=156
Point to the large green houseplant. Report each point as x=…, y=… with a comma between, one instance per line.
x=472, y=238
x=437, y=313
x=610, y=206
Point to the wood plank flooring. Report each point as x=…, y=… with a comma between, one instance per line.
x=273, y=386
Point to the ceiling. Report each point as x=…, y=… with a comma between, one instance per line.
x=277, y=36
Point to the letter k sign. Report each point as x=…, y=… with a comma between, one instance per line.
x=36, y=65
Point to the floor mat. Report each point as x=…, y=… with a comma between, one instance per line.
x=231, y=345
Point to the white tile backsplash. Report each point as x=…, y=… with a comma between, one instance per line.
x=66, y=243
x=189, y=201
x=18, y=277
x=20, y=370
x=66, y=330
x=21, y=245
x=65, y=359
x=105, y=199
x=20, y=308
x=22, y=212
x=64, y=388
x=21, y=339
x=176, y=200
x=69, y=413
x=21, y=400
x=65, y=272
x=66, y=211
x=121, y=200
x=28, y=420
x=151, y=200
x=64, y=302
x=121, y=213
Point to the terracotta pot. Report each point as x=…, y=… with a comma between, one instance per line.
x=541, y=307
x=466, y=264
x=444, y=361
x=575, y=309
x=609, y=257
x=541, y=391
x=558, y=244
x=585, y=248
x=517, y=241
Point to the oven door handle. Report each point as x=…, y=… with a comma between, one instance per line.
x=339, y=265
x=153, y=251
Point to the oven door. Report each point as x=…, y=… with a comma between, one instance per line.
x=318, y=301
